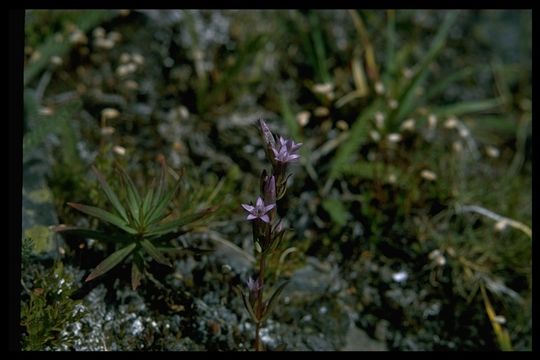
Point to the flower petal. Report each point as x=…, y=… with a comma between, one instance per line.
x=269, y=207
x=265, y=218
x=260, y=203
x=248, y=208
x=251, y=217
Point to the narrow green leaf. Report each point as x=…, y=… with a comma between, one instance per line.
x=318, y=46
x=161, y=186
x=390, y=46
x=111, y=195
x=175, y=224
x=176, y=250
x=271, y=303
x=289, y=119
x=406, y=98
x=358, y=134
x=89, y=234
x=441, y=85
x=103, y=215
x=145, y=208
x=157, y=212
x=296, y=134
x=336, y=209
x=467, y=107
x=155, y=253
x=247, y=304
x=133, y=197
x=111, y=261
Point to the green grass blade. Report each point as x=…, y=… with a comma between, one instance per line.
x=318, y=46
x=103, y=215
x=467, y=107
x=175, y=224
x=111, y=261
x=111, y=195
x=273, y=300
x=439, y=87
x=358, y=134
x=390, y=47
x=406, y=99
x=247, y=304
x=338, y=212
x=155, y=253
x=294, y=130
x=45, y=125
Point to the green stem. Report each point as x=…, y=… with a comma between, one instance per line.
x=260, y=310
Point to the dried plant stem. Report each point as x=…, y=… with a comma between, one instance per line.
x=490, y=214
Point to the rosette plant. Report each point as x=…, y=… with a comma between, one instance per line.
x=143, y=223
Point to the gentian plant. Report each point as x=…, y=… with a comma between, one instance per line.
x=143, y=223
x=268, y=229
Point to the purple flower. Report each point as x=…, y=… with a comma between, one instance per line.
x=286, y=150
x=253, y=285
x=259, y=211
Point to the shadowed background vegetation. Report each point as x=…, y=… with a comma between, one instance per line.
x=411, y=205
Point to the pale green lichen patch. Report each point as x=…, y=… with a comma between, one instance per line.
x=42, y=237
x=40, y=196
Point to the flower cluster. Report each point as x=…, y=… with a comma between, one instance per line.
x=268, y=230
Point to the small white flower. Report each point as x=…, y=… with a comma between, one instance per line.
x=408, y=125
x=428, y=175
x=374, y=134
x=408, y=73
x=457, y=146
x=379, y=88
x=501, y=225
x=400, y=276
x=342, y=125
x=492, y=151
x=56, y=60
x=125, y=58
x=110, y=113
x=394, y=137
x=138, y=59
x=451, y=123
x=464, y=132
x=107, y=130
x=321, y=111
x=120, y=150
x=98, y=32
x=302, y=118
x=432, y=121
x=323, y=88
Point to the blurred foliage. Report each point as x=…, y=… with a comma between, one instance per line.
x=48, y=310
x=407, y=118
